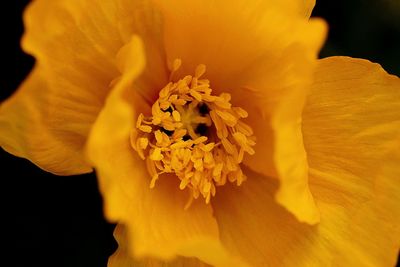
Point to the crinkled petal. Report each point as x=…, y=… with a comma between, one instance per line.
x=264, y=56
x=156, y=222
x=254, y=227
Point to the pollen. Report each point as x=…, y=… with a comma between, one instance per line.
x=196, y=135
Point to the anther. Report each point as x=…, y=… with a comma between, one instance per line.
x=195, y=135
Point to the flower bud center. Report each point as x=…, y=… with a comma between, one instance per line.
x=198, y=136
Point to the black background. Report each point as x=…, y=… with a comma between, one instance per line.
x=57, y=221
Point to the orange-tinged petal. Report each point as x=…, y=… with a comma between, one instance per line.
x=110, y=25
x=78, y=58
x=255, y=51
x=279, y=146
x=75, y=66
x=83, y=37
x=253, y=226
x=48, y=119
x=88, y=31
x=307, y=7
x=289, y=154
x=53, y=145
x=122, y=257
x=381, y=217
x=353, y=110
x=157, y=224
x=279, y=149
x=299, y=7
x=263, y=233
x=350, y=117
x=229, y=39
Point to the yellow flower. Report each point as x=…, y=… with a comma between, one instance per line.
x=217, y=136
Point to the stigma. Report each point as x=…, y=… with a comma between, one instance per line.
x=196, y=135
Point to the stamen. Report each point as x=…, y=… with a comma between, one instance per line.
x=195, y=135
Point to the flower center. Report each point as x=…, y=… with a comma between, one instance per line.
x=198, y=136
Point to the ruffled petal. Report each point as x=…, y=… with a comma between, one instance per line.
x=49, y=118
x=54, y=145
x=254, y=227
x=51, y=115
x=122, y=257
x=157, y=224
x=264, y=56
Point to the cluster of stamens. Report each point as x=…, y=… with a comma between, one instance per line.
x=195, y=135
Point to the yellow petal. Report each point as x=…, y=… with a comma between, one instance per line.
x=157, y=224
x=122, y=257
x=265, y=57
x=263, y=233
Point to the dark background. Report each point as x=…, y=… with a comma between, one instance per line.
x=58, y=221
